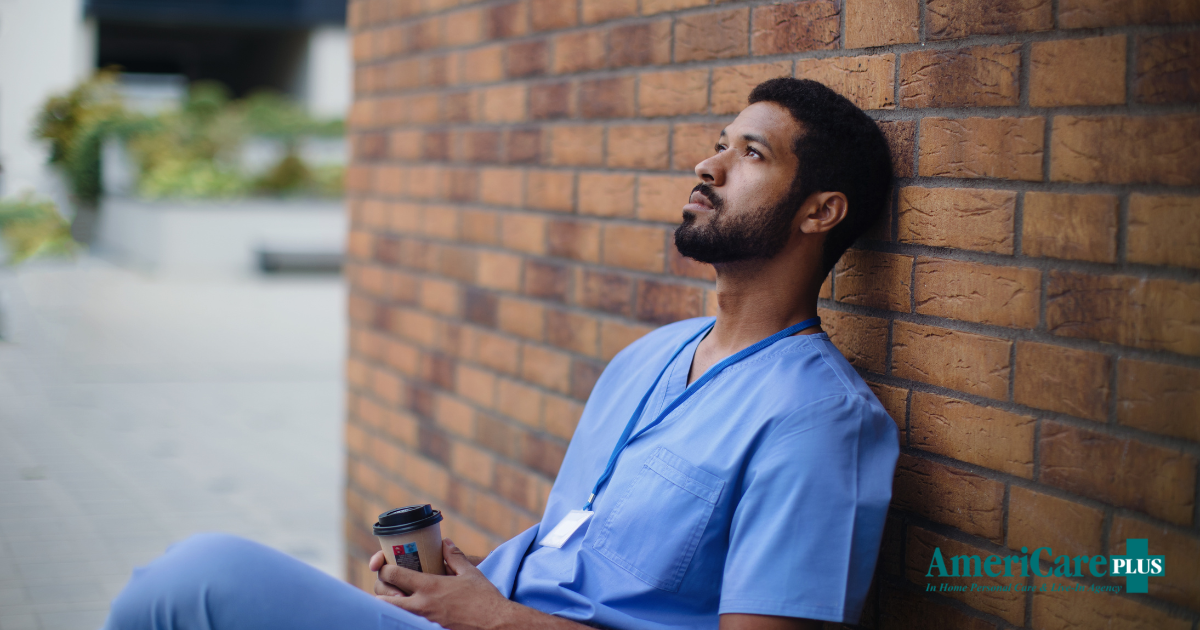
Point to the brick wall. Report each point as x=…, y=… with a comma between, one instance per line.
x=1029, y=312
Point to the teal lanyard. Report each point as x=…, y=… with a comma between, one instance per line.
x=627, y=436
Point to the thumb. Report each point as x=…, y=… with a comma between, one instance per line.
x=456, y=559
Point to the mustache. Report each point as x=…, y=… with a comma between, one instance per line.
x=704, y=189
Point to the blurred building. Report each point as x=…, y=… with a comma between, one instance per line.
x=298, y=47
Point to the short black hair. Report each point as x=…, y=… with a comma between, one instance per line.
x=840, y=150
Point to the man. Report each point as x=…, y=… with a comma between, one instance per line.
x=730, y=473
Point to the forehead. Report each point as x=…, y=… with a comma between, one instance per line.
x=768, y=120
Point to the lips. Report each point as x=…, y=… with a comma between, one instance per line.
x=698, y=199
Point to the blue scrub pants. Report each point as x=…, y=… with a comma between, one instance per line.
x=222, y=582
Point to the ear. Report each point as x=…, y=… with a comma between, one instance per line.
x=821, y=211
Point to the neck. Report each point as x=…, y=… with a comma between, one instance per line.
x=759, y=298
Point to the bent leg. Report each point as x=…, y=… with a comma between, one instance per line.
x=221, y=582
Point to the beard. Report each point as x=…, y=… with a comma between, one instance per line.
x=753, y=235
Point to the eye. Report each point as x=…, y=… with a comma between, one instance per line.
x=753, y=151
x=720, y=148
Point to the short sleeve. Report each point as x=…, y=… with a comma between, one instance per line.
x=806, y=531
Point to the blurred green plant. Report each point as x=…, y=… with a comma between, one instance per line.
x=191, y=152
x=31, y=228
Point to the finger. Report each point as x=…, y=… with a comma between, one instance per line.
x=377, y=561
x=383, y=588
x=455, y=558
x=406, y=580
x=407, y=603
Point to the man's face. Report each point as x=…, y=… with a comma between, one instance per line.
x=744, y=206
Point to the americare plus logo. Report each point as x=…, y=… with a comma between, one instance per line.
x=1137, y=566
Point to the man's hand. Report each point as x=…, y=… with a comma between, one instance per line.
x=462, y=600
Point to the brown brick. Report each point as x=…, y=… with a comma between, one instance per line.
x=615, y=336
x=949, y=495
x=479, y=307
x=548, y=101
x=1181, y=582
x=523, y=232
x=606, y=194
x=606, y=98
x=440, y=297
x=577, y=145
x=951, y=19
x=551, y=190
x=519, y=402
x=663, y=303
x=901, y=136
x=1160, y=398
x=966, y=362
x=882, y=22
x=1123, y=150
x=1094, y=13
x=673, y=93
x=602, y=10
x=501, y=186
x=967, y=77
x=542, y=455
x=984, y=436
x=1077, y=72
x=547, y=280
x=483, y=65
x=647, y=44
x=609, y=292
x=1036, y=519
x=1064, y=380
x=868, y=81
x=634, y=247
x=1059, y=610
x=796, y=27
x=561, y=415
x=504, y=104
x=693, y=143
x=977, y=219
x=1006, y=604
x=1119, y=471
x=650, y=7
x=715, y=35
x=549, y=15
x=579, y=240
x=731, y=85
x=584, y=374
x=895, y=401
x=1154, y=314
x=579, y=51
x=498, y=270
x=549, y=368
x=496, y=352
x=638, y=146
x=875, y=279
x=506, y=20
x=480, y=146
x=573, y=331
x=861, y=339
x=987, y=294
x=523, y=146
x=1076, y=227
x=1164, y=230
x=1007, y=148
x=1168, y=70
x=905, y=610
x=662, y=197
x=527, y=59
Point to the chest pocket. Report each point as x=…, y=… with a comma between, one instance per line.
x=654, y=530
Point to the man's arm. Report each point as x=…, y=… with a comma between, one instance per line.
x=466, y=600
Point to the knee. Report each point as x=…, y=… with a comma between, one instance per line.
x=186, y=574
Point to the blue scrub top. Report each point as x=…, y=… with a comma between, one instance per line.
x=764, y=493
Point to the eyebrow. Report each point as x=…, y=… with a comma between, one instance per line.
x=750, y=137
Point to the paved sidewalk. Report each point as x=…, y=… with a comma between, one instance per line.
x=135, y=411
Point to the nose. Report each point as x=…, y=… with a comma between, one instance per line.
x=712, y=170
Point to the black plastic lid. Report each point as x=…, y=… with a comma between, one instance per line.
x=409, y=518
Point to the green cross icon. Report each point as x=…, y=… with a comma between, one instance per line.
x=1139, y=549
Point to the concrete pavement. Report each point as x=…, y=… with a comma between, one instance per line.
x=136, y=410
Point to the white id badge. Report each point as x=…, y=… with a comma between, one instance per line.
x=561, y=532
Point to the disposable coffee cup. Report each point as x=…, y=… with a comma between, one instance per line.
x=411, y=537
